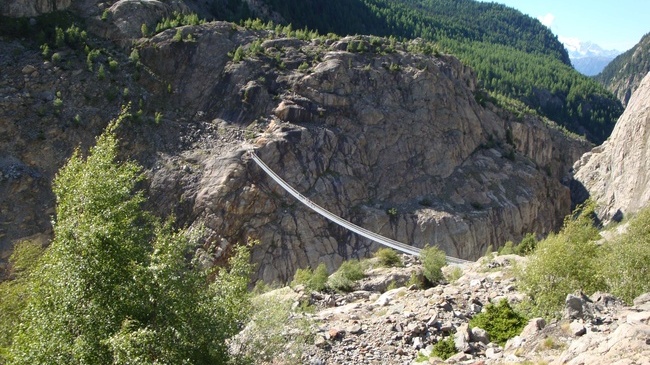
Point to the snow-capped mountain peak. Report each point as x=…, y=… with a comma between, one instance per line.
x=579, y=49
x=587, y=57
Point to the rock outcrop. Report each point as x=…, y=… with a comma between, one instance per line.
x=360, y=134
x=31, y=8
x=624, y=74
x=616, y=174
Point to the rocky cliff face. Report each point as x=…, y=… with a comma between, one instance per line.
x=623, y=75
x=30, y=8
x=395, y=143
x=616, y=174
x=392, y=141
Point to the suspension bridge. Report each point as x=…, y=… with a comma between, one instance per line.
x=399, y=246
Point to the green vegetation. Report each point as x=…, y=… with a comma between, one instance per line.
x=115, y=286
x=177, y=20
x=265, y=338
x=524, y=248
x=514, y=55
x=634, y=62
x=433, y=259
x=388, y=257
x=15, y=293
x=454, y=273
x=343, y=279
x=313, y=280
x=563, y=263
x=500, y=321
x=624, y=262
x=444, y=349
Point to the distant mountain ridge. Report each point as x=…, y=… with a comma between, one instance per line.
x=624, y=74
x=587, y=57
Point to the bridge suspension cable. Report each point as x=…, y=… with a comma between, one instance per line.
x=408, y=249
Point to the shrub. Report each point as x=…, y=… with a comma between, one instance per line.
x=238, y=55
x=507, y=249
x=624, y=263
x=500, y=321
x=454, y=274
x=313, y=280
x=444, y=349
x=178, y=37
x=101, y=73
x=134, y=56
x=433, y=259
x=343, y=279
x=144, y=30
x=45, y=50
x=527, y=245
x=15, y=293
x=388, y=257
x=113, y=65
x=563, y=263
x=303, y=66
x=264, y=339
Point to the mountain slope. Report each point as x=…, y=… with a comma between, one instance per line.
x=624, y=74
x=474, y=31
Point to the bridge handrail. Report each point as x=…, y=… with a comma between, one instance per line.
x=340, y=221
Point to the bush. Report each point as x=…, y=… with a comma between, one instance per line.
x=500, y=321
x=343, y=279
x=264, y=339
x=507, y=249
x=388, y=257
x=563, y=263
x=178, y=37
x=433, y=259
x=527, y=245
x=313, y=280
x=15, y=292
x=444, y=349
x=624, y=263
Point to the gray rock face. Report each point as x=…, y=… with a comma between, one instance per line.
x=29, y=8
x=358, y=137
x=361, y=134
x=616, y=174
x=126, y=17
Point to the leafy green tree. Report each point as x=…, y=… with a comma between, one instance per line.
x=115, y=287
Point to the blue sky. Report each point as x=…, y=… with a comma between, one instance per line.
x=611, y=24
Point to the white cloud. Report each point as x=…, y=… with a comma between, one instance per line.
x=547, y=19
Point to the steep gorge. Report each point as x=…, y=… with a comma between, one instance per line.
x=358, y=134
x=394, y=142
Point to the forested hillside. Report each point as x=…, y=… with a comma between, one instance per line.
x=623, y=75
x=514, y=55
